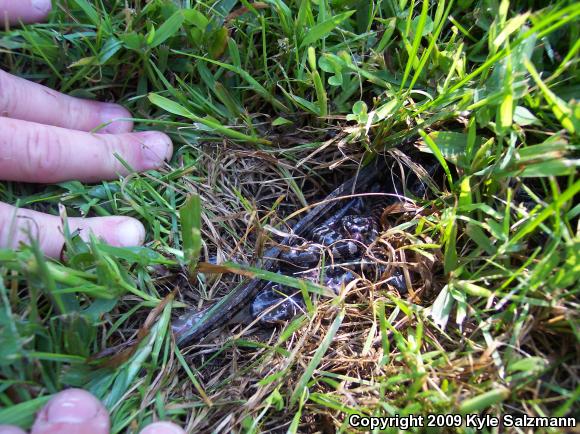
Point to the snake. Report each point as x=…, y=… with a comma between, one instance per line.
x=339, y=211
x=341, y=241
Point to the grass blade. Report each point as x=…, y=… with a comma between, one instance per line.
x=321, y=30
x=316, y=358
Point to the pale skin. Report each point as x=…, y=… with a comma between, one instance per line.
x=45, y=138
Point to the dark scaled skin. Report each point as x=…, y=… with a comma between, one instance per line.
x=342, y=241
x=361, y=229
x=274, y=304
x=301, y=257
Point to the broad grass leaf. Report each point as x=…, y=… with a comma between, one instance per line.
x=555, y=206
x=543, y=160
x=386, y=110
x=99, y=307
x=224, y=7
x=524, y=117
x=559, y=107
x=279, y=121
x=190, y=216
x=465, y=196
x=23, y=414
x=110, y=48
x=89, y=11
x=390, y=25
x=254, y=272
x=196, y=18
x=218, y=42
x=478, y=236
x=450, y=255
x=306, y=105
x=168, y=29
x=133, y=41
x=119, y=381
x=234, y=108
x=212, y=124
x=556, y=167
x=471, y=288
x=481, y=402
x=506, y=109
x=438, y=155
x=304, y=18
x=141, y=255
x=441, y=308
x=169, y=106
x=511, y=26
x=461, y=311
x=321, y=30
x=529, y=364
x=11, y=343
x=453, y=146
x=555, y=146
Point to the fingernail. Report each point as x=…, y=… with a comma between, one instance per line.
x=111, y=112
x=156, y=147
x=42, y=5
x=130, y=232
x=162, y=428
x=72, y=406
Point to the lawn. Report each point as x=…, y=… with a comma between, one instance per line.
x=270, y=105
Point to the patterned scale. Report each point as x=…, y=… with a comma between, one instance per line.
x=343, y=238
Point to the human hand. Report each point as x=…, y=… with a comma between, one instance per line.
x=75, y=411
x=45, y=138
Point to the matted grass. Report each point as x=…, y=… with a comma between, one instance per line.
x=270, y=104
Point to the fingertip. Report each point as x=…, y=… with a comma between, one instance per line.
x=115, y=231
x=41, y=8
x=156, y=148
x=162, y=428
x=72, y=406
x=130, y=232
x=116, y=117
x=169, y=150
x=72, y=410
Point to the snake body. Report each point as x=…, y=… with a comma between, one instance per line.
x=342, y=243
x=196, y=325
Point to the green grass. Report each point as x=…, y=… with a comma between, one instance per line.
x=262, y=100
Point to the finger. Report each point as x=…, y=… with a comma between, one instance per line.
x=23, y=99
x=11, y=429
x=39, y=153
x=162, y=428
x=26, y=11
x=72, y=411
x=18, y=225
